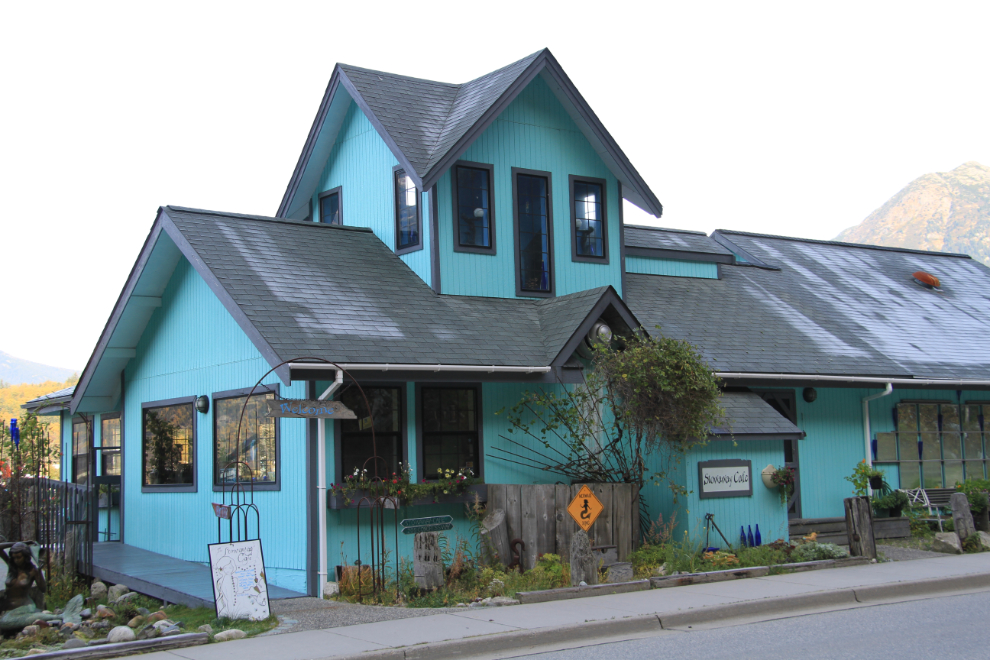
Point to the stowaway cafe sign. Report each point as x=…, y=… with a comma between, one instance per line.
x=309, y=409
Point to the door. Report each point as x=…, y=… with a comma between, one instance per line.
x=107, y=469
x=784, y=402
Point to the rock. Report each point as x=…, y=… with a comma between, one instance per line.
x=116, y=591
x=36, y=651
x=100, y=625
x=157, y=616
x=228, y=635
x=962, y=517
x=498, y=601
x=584, y=568
x=68, y=625
x=207, y=628
x=73, y=610
x=662, y=570
x=97, y=642
x=143, y=611
x=98, y=590
x=161, y=625
x=171, y=630
x=121, y=634
x=149, y=633
x=41, y=624
x=330, y=589
x=582, y=583
x=620, y=571
x=947, y=542
x=31, y=631
x=104, y=612
x=130, y=595
x=135, y=622
x=86, y=614
x=73, y=643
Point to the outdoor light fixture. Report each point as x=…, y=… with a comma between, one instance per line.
x=810, y=394
x=203, y=404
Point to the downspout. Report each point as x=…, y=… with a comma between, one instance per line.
x=866, y=423
x=321, y=484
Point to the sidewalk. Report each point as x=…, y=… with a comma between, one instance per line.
x=460, y=632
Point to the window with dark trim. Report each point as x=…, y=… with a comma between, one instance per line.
x=935, y=444
x=253, y=456
x=168, y=432
x=533, y=216
x=331, y=211
x=356, y=450
x=407, y=218
x=589, y=225
x=110, y=438
x=449, y=422
x=82, y=438
x=474, y=210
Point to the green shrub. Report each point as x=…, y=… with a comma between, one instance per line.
x=647, y=559
x=976, y=492
x=817, y=552
x=895, y=499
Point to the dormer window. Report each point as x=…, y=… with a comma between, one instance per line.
x=589, y=233
x=330, y=209
x=407, y=234
x=474, y=212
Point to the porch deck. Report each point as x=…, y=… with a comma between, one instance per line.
x=166, y=578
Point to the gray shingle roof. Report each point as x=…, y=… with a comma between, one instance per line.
x=40, y=404
x=832, y=309
x=750, y=417
x=656, y=238
x=341, y=294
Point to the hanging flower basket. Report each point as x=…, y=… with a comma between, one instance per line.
x=783, y=478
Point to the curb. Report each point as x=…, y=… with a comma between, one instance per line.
x=127, y=648
x=791, y=605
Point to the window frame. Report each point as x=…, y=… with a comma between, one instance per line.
x=88, y=423
x=234, y=394
x=492, y=251
x=338, y=432
x=395, y=210
x=580, y=258
x=172, y=488
x=338, y=191
x=420, y=435
x=103, y=451
x=520, y=292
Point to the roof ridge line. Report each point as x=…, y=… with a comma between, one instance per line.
x=397, y=75
x=867, y=246
x=264, y=218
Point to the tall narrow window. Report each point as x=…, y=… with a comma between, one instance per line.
x=80, y=451
x=169, y=444
x=474, y=213
x=110, y=441
x=534, y=233
x=251, y=457
x=450, y=419
x=589, y=240
x=356, y=450
x=406, y=212
x=330, y=211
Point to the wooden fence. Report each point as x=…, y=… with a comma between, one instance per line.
x=538, y=516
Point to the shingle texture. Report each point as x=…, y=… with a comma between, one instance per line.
x=341, y=294
x=832, y=309
x=41, y=403
x=748, y=414
x=671, y=239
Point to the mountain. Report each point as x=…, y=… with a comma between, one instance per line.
x=943, y=211
x=15, y=370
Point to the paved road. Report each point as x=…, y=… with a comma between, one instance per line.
x=947, y=627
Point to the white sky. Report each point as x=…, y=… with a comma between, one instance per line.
x=793, y=118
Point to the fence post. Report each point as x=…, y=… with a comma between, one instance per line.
x=859, y=527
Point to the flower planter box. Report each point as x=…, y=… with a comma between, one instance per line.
x=481, y=490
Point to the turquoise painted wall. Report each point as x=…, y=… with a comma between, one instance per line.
x=190, y=347
x=361, y=163
x=534, y=132
x=671, y=267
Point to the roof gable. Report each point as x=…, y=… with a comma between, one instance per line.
x=428, y=125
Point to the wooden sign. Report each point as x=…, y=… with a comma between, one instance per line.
x=427, y=561
x=585, y=508
x=240, y=588
x=222, y=510
x=309, y=409
x=431, y=524
x=727, y=478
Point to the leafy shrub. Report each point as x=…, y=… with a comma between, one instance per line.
x=972, y=544
x=895, y=499
x=815, y=551
x=976, y=492
x=647, y=559
x=860, y=478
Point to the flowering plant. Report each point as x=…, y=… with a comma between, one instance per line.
x=400, y=485
x=783, y=478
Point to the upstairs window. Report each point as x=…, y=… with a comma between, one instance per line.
x=330, y=212
x=534, y=232
x=110, y=441
x=356, y=449
x=588, y=223
x=81, y=440
x=252, y=456
x=474, y=213
x=407, y=236
x=168, y=430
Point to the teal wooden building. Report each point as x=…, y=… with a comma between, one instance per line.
x=452, y=247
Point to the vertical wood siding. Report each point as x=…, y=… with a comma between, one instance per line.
x=534, y=132
x=671, y=267
x=361, y=163
x=191, y=347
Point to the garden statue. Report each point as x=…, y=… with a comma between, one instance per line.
x=23, y=598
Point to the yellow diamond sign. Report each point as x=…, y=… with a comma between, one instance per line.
x=585, y=508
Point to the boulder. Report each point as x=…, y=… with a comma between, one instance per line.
x=984, y=540
x=620, y=571
x=123, y=598
x=31, y=631
x=171, y=630
x=228, y=635
x=157, y=616
x=149, y=633
x=116, y=591
x=104, y=612
x=73, y=643
x=162, y=625
x=121, y=634
x=947, y=542
x=962, y=517
x=86, y=614
x=584, y=568
x=135, y=622
x=207, y=628
x=98, y=590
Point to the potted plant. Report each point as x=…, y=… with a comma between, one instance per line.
x=890, y=504
x=783, y=479
x=866, y=475
x=976, y=492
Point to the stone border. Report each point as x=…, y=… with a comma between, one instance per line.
x=568, y=593
x=127, y=648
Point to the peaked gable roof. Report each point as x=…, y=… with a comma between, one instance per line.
x=428, y=124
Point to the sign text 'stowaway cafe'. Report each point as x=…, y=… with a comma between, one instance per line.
x=309, y=409
x=726, y=478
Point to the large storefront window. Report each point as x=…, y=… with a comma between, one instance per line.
x=253, y=455
x=168, y=445
x=936, y=445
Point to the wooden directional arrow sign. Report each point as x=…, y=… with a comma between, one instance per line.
x=431, y=524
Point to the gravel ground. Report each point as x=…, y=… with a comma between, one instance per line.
x=298, y=614
x=897, y=553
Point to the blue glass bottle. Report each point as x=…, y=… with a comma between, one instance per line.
x=749, y=537
x=759, y=539
x=742, y=536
